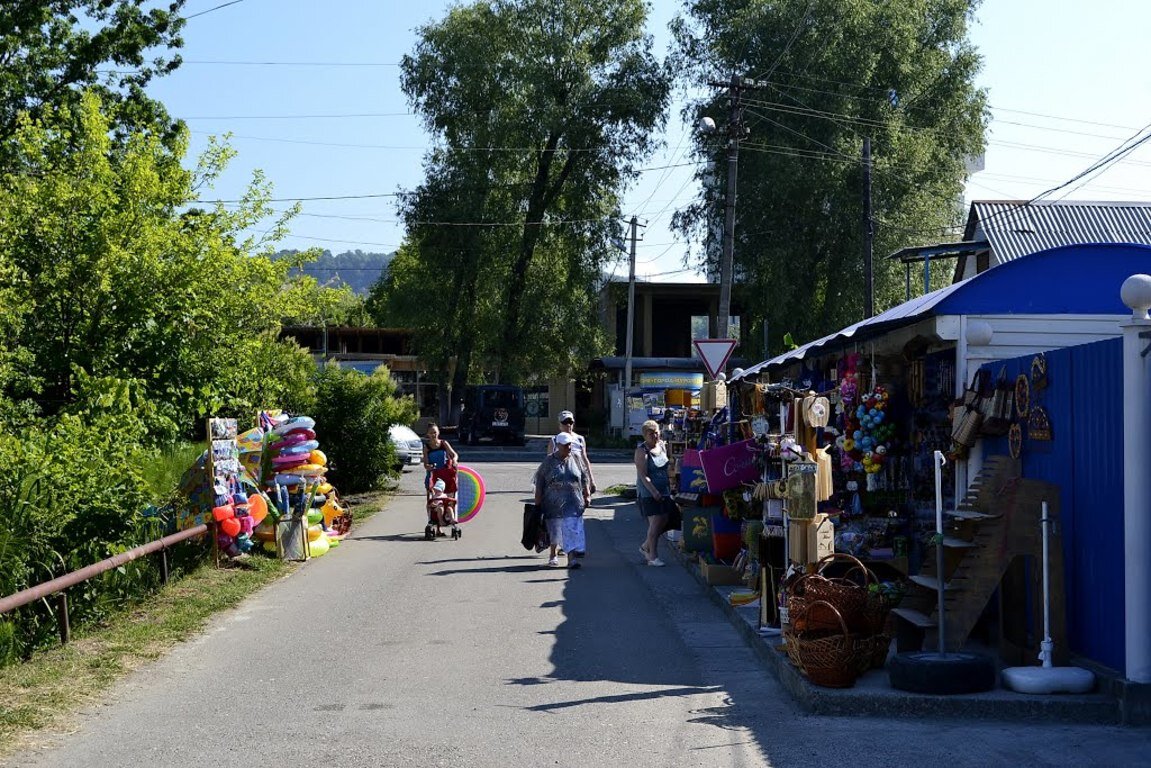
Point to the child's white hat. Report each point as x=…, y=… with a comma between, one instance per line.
x=439, y=485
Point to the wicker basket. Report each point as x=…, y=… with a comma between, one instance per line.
x=853, y=602
x=828, y=660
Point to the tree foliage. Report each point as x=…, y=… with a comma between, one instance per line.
x=52, y=51
x=112, y=280
x=834, y=72
x=541, y=110
x=359, y=408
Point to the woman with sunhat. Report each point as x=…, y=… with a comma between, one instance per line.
x=563, y=491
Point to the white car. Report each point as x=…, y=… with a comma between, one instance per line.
x=409, y=447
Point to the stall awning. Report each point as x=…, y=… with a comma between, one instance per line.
x=1070, y=280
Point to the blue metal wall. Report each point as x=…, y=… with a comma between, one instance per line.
x=1084, y=400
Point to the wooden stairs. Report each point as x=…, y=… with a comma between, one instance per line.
x=996, y=523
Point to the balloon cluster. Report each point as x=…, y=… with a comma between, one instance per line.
x=875, y=430
x=236, y=517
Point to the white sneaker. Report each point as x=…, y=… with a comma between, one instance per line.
x=656, y=563
x=554, y=562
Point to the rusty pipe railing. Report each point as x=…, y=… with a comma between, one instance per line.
x=61, y=583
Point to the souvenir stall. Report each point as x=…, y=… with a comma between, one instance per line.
x=265, y=486
x=902, y=387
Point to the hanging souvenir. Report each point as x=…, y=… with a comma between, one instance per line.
x=1039, y=425
x=1039, y=372
x=1022, y=396
x=1015, y=440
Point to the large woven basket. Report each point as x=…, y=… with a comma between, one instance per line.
x=852, y=600
x=831, y=660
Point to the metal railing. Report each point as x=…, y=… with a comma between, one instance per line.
x=58, y=585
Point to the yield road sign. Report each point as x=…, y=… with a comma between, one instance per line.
x=714, y=353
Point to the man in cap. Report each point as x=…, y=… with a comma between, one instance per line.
x=579, y=445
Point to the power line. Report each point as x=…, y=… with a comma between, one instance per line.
x=218, y=7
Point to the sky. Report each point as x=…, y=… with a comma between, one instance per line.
x=310, y=93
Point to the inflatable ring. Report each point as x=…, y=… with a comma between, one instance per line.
x=320, y=546
x=290, y=460
x=317, y=457
x=309, y=470
x=315, y=532
x=285, y=442
x=289, y=479
x=300, y=449
x=296, y=422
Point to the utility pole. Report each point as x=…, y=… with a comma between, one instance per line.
x=734, y=134
x=630, y=310
x=630, y=327
x=868, y=234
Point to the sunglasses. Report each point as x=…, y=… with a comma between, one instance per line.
x=568, y=421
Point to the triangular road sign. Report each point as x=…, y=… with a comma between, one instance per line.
x=714, y=353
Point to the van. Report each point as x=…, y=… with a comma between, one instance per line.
x=492, y=412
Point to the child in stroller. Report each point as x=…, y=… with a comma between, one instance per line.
x=442, y=501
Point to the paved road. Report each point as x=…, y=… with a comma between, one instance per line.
x=393, y=651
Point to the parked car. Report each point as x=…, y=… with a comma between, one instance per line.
x=492, y=411
x=409, y=447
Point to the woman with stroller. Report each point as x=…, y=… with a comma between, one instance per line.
x=563, y=491
x=437, y=455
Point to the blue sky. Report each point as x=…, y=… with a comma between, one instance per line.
x=311, y=95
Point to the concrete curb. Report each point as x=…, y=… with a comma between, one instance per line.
x=872, y=696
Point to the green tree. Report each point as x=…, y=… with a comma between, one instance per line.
x=112, y=279
x=541, y=110
x=54, y=50
x=359, y=408
x=834, y=72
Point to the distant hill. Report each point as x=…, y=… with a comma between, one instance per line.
x=357, y=269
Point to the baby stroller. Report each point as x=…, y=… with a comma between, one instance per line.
x=441, y=508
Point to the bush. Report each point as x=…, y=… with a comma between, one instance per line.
x=353, y=413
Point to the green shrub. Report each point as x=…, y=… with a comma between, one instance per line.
x=353, y=413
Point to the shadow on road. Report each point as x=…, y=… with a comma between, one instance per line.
x=653, y=627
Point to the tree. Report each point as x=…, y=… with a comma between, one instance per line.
x=541, y=110
x=834, y=72
x=51, y=51
x=112, y=279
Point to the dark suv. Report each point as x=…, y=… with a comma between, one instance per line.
x=494, y=411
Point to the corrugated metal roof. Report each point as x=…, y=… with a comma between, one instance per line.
x=1017, y=228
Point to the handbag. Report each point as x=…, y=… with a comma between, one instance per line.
x=674, y=516
x=535, y=533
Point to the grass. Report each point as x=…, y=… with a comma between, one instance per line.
x=41, y=693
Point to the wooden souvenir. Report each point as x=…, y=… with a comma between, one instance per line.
x=1022, y=396
x=1039, y=425
x=1015, y=440
x=1039, y=372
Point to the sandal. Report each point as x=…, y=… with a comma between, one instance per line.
x=656, y=563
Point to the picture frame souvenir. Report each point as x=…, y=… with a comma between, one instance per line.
x=1039, y=425
x=1015, y=440
x=1039, y=372
x=1022, y=396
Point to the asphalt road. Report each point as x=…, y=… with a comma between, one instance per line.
x=394, y=651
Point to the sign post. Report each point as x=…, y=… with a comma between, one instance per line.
x=715, y=353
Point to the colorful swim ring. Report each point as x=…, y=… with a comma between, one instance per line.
x=290, y=460
x=320, y=546
x=300, y=449
x=296, y=422
x=286, y=442
x=318, y=457
x=309, y=470
x=470, y=494
x=289, y=479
